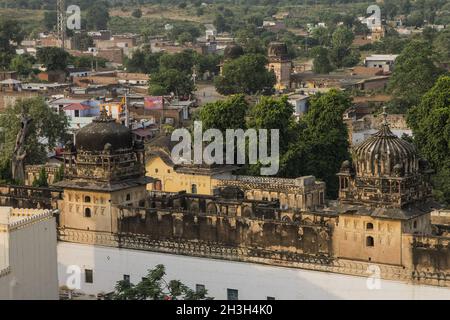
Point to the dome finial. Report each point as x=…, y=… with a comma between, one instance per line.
x=103, y=113
x=385, y=115
x=103, y=116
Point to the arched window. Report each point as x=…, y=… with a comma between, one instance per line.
x=87, y=212
x=369, y=242
x=415, y=224
x=194, y=189
x=369, y=226
x=87, y=199
x=128, y=197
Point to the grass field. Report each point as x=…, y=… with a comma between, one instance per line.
x=29, y=19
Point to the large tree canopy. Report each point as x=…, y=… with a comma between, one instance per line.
x=225, y=114
x=430, y=122
x=324, y=140
x=414, y=74
x=23, y=64
x=321, y=60
x=171, y=81
x=53, y=58
x=247, y=74
x=274, y=113
x=341, y=54
x=47, y=128
x=10, y=35
x=97, y=16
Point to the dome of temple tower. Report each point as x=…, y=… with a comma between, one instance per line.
x=385, y=154
x=277, y=49
x=104, y=133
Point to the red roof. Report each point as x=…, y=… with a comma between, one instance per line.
x=77, y=106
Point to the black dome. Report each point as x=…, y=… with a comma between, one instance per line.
x=104, y=133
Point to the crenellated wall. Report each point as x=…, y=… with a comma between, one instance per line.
x=431, y=258
x=269, y=235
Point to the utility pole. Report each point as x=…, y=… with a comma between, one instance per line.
x=61, y=28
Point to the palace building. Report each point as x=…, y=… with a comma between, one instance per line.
x=382, y=216
x=104, y=168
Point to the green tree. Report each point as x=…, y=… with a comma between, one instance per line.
x=321, y=61
x=155, y=287
x=441, y=46
x=42, y=179
x=137, y=13
x=183, y=61
x=185, y=37
x=430, y=122
x=23, y=64
x=208, y=62
x=414, y=74
x=225, y=114
x=50, y=20
x=169, y=81
x=322, y=35
x=199, y=12
x=274, y=113
x=97, y=16
x=182, y=28
x=324, y=141
x=220, y=23
x=340, y=46
x=247, y=74
x=53, y=58
x=46, y=130
x=143, y=61
x=11, y=35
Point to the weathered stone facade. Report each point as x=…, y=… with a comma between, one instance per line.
x=382, y=217
x=280, y=64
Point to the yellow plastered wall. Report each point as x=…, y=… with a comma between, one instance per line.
x=350, y=239
x=102, y=217
x=172, y=181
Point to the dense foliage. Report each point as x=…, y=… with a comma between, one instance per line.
x=430, y=122
x=47, y=129
x=414, y=74
x=247, y=74
x=155, y=287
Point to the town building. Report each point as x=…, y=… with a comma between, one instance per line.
x=361, y=128
x=28, y=266
x=385, y=62
x=113, y=227
x=382, y=217
x=91, y=192
x=280, y=64
x=300, y=103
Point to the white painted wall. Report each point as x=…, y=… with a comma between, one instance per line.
x=252, y=280
x=32, y=261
